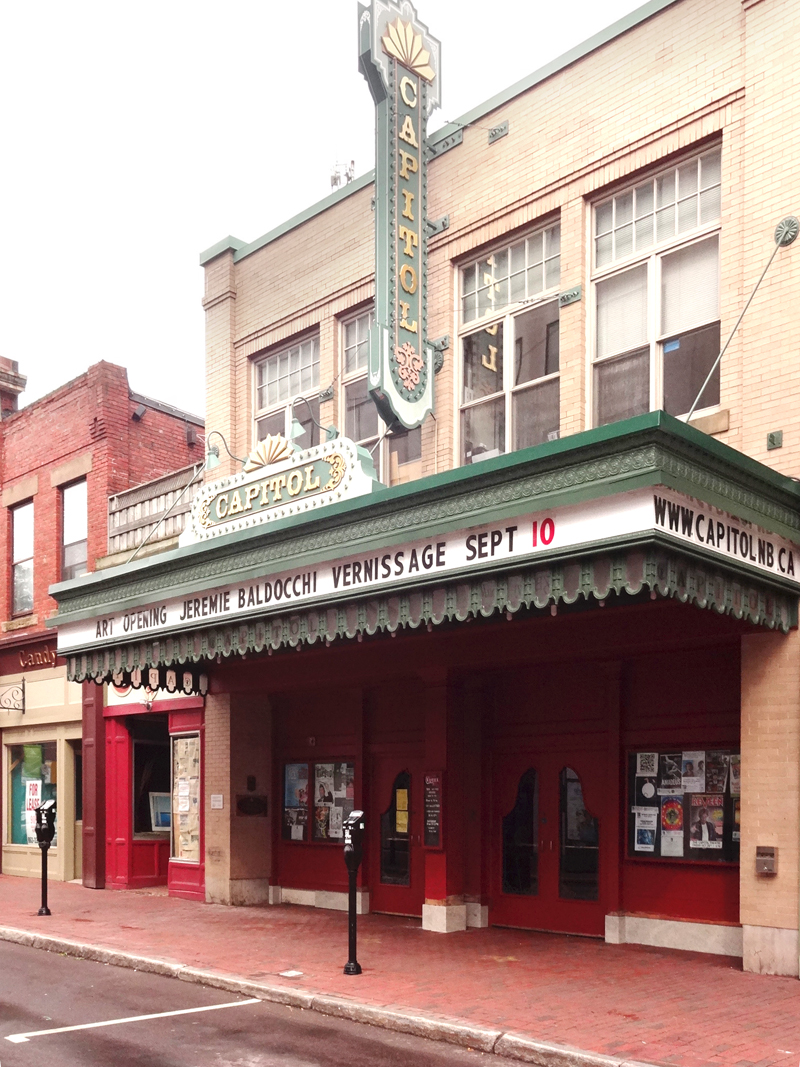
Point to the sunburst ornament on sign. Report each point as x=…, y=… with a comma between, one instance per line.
x=270, y=450
x=402, y=42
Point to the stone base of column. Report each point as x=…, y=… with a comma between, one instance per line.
x=477, y=915
x=770, y=950
x=444, y=918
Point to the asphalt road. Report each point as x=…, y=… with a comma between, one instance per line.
x=41, y=991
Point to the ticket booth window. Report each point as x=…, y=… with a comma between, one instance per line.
x=395, y=836
x=521, y=839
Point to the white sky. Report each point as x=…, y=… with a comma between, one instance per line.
x=135, y=137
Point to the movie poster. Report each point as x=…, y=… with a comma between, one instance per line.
x=333, y=799
x=707, y=822
x=735, y=764
x=716, y=772
x=672, y=826
x=693, y=772
x=645, y=830
x=295, y=801
x=737, y=818
x=669, y=774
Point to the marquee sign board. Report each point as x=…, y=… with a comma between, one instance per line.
x=280, y=480
x=401, y=63
x=577, y=529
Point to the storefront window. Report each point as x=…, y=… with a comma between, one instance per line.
x=186, y=798
x=151, y=776
x=579, y=842
x=396, y=834
x=684, y=804
x=521, y=839
x=34, y=779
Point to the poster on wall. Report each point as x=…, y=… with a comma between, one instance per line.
x=646, y=792
x=33, y=798
x=693, y=772
x=737, y=818
x=670, y=782
x=333, y=798
x=295, y=801
x=185, y=798
x=646, y=763
x=646, y=826
x=716, y=771
x=672, y=826
x=707, y=820
x=735, y=764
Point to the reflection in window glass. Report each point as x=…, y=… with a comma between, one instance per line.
x=536, y=413
x=521, y=839
x=395, y=834
x=22, y=558
x=578, y=842
x=483, y=363
x=483, y=430
x=75, y=530
x=622, y=387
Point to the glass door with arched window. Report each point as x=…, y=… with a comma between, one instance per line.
x=396, y=874
x=547, y=831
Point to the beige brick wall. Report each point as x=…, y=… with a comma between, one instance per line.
x=218, y=781
x=770, y=776
x=700, y=69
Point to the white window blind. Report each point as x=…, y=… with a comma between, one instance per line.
x=622, y=312
x=690, y=287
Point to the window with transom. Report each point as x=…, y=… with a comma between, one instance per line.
x=282, y=375
x=397, y=454
x=509, y=347
x=656, y=292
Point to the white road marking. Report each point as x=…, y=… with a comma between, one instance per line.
x=19, y=1038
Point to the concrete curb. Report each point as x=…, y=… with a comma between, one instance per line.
x=511, y=1046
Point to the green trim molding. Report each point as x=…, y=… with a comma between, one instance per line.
x=650, y=450
x=590, y=579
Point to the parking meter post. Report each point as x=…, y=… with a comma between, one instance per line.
x=353, y=852
x=45, y=832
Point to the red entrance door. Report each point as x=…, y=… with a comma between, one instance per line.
x=396, y=861
x=548, y=842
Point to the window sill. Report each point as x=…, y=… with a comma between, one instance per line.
x=717, y=422
x=20, y=623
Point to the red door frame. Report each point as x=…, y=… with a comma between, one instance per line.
x=394, y=899
x=545, y=910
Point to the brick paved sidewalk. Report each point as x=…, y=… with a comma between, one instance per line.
x=628, y=1001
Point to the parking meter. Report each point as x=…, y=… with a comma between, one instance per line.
x=45, y=832
x=46, y=823
x=353, y=854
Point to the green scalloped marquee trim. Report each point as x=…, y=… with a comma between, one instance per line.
x=662, y=573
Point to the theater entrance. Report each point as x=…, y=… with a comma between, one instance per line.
x=548, y=841
x=397, y=871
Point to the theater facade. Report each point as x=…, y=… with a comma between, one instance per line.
x=484, y=569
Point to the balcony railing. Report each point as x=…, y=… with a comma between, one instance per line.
x=134, y=514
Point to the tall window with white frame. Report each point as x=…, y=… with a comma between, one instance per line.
x=22, y=559
x=74, y=530
x=510, y=347
x=656, y=289
x=281, y=375
x=398, y=456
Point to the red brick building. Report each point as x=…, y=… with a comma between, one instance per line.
x=61, y=458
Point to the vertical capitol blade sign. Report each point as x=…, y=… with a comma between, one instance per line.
x=401, y=62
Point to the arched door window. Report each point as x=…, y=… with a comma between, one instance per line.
x=521, y=839
x=579, y=842
x=396, y=834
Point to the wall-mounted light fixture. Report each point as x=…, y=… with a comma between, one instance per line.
x=295, y=429
x=139, y=413
x=212, y=451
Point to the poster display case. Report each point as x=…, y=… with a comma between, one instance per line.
x=321, y=794
x=684, y=804
x=186, y=798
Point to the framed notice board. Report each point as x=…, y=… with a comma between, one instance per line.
x=684, y=804
x=433, y=785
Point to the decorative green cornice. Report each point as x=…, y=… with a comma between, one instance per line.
x=590, y=579
x=227, y=244
x=653, y=449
